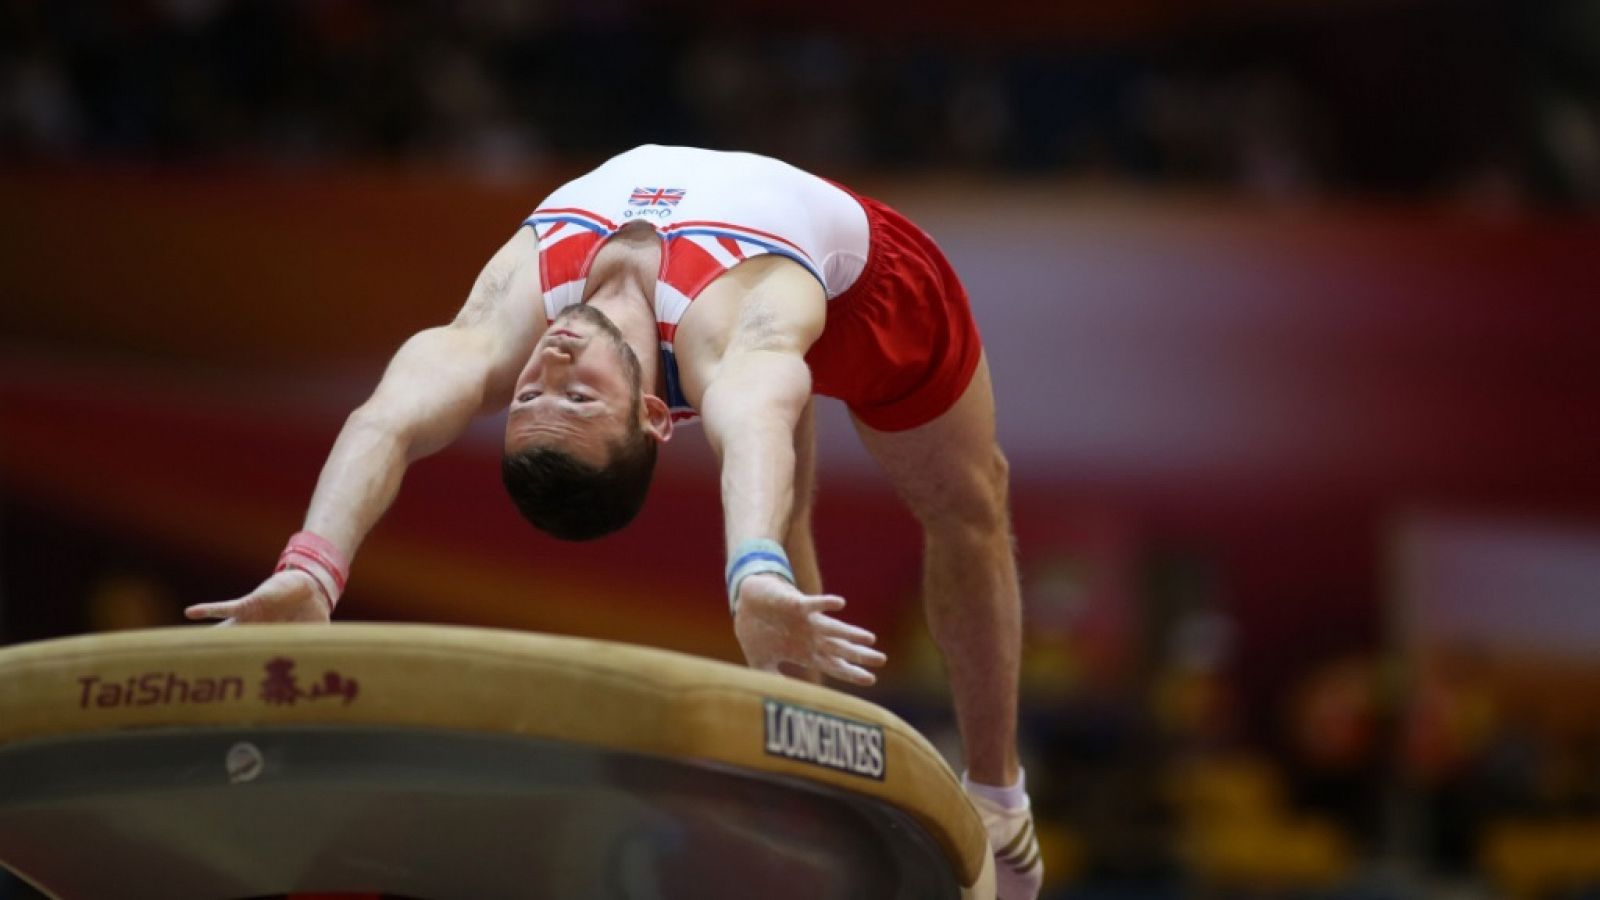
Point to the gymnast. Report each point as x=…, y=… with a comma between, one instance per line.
x=676, y=283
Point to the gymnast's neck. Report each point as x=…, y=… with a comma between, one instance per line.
x=621, y=284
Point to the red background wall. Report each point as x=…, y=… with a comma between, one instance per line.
x=1265, y=388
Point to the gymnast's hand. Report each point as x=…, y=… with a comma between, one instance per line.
x=288, y=596
x=777, y=623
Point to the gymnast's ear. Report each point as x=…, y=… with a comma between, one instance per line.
x=657, y=418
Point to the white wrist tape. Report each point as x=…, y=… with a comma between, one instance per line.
x=757, y=556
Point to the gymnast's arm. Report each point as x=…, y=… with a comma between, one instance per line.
x=753, y=404
x=435, y=384
x=798, y=542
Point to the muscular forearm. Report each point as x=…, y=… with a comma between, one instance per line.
x=758, y=482
x=438, y=380
x=799, y=544
x=802, y=553
x=358, y=482
x=428, y=395
x=751, y=412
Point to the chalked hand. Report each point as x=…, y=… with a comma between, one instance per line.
x=776, y=623
x=292, y=595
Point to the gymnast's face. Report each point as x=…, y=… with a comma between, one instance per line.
x=578, y=392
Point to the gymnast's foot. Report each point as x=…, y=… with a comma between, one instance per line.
x=1018, y=868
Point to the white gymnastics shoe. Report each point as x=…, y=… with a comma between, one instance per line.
x=1007, y=817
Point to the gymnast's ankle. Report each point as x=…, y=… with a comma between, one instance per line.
x=1009, y=797
x=1005, y=811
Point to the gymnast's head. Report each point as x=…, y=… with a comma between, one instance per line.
x=581, y=433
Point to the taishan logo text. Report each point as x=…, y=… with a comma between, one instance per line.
x=279, y=686
x=157, y=689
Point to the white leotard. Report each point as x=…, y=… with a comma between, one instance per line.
x=713, y=210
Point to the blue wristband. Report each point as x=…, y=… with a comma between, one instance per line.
x=757, y=556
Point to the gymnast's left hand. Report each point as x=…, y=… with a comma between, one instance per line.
x=777, y=623
x=288, y=596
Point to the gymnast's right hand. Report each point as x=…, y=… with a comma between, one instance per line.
x=778, y=623
x=291, y=595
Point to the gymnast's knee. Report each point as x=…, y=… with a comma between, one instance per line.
x=973, y=509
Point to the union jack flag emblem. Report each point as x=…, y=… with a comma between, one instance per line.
x=650, y=196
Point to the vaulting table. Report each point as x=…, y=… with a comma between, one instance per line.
x=442, y=763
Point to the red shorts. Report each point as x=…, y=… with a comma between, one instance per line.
x=900, y=346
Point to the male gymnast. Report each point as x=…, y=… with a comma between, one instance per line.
x=673, y=283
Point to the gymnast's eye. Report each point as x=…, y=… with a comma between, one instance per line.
x=528, y=395
x=576, y=397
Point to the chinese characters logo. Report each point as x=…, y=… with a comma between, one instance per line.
x=281, y=686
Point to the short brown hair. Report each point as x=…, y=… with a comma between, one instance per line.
x=574, y=500
x=577, y=501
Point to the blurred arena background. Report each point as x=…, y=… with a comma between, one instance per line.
x=1292, y=309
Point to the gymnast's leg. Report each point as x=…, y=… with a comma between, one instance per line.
x=951, y=474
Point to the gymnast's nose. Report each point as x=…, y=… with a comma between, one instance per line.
x=556, y=355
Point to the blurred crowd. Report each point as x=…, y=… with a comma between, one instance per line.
x=1490, y=102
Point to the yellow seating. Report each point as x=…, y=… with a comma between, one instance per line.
x=1236, y=832
x=1531, y=859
